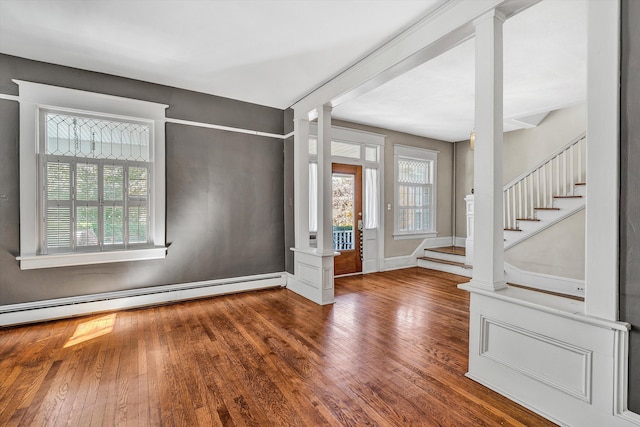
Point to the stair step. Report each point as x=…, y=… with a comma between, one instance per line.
x=580, y=183
x=567, y=197
x=546, y=209
x=444, y=261
x=527, y=219
x=512, y=229
x=453, y=250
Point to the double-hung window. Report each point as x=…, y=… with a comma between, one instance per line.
x=415, y=192
x=92, y=178
x=95, y=180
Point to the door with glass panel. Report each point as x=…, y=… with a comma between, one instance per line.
x=347, y=218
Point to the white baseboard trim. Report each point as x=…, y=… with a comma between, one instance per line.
x=435, y=242
x=407, y=261
x=544, y=282
x=38, y=311
x=460, y=241
x=515, y=399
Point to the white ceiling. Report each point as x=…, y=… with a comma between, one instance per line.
x=273, y=52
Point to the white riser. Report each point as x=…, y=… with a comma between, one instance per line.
x=567, y=207
x=448, y=268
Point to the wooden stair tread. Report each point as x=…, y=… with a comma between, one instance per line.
x=453, y=250
x=580, y=183
x=512, y=229
x=527, y=219
x=444, y=261
x=546, y=209
x=567, y=197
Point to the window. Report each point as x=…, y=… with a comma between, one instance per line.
x=415, y=192
x=91, y=178
x=95, y=183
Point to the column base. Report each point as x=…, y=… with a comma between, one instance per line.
x=313, y=277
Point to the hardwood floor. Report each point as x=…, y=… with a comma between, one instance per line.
x=392, y=351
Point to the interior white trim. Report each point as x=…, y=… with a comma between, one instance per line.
x=86, y=258
x=35, y=96
x=406, y=261
x=440, y=31
x=191, y=122
x=603, y=120
x=14, y=314
x=545, y=282
x=9, y=97
x=551, y=304
x=512, y=397
x=582, y=369
x=225, y=128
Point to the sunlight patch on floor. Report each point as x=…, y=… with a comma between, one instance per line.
x=92, y=329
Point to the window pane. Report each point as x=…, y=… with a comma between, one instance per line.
x=86, y=182
x=371, y=154
x=72, y=135
x=113, y=182
x=313, y=146
x=58, y=181
x=137, y=224
x=343, y=211
x=414, y=171
x=87, y=226
x=113, y=225
x=58, y=227
x=343, y=149
x=137, y=182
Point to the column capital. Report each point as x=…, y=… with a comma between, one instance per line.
x=492, y=14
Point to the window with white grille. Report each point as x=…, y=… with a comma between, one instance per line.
x=96, y=183
x=92, y=177
x=415, y=188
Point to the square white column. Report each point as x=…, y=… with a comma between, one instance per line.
x=325, y=191
x=488, y=239
x=313, y=267
x=301, y=181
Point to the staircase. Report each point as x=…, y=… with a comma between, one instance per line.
x=543, y=196
x=450, y=259
x=546, y=194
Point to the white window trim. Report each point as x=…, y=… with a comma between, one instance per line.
x=33, y=97
x=407, y=152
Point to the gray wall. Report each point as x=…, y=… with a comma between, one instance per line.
x=401, y=247
x=225, y=191
x=629, y=195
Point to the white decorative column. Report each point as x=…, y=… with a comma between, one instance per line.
x=325, y=210
x=469, y=240
x=603, y=150
x=301, y=181
x=313, y=269
x=488, y=265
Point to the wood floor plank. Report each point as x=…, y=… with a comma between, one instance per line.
x=391, y=351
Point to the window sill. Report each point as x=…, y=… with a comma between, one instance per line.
x=408, y=236
x=31, y=262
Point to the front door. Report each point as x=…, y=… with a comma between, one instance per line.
x=347, y=218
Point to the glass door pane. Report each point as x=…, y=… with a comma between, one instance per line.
x=343, y=211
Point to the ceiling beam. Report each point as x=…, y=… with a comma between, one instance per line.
x=436, y=33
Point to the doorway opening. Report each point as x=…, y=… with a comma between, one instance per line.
x=347, y=218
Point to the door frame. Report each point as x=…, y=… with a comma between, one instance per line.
x=364, y=139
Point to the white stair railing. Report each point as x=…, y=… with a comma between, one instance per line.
x=557, y=175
